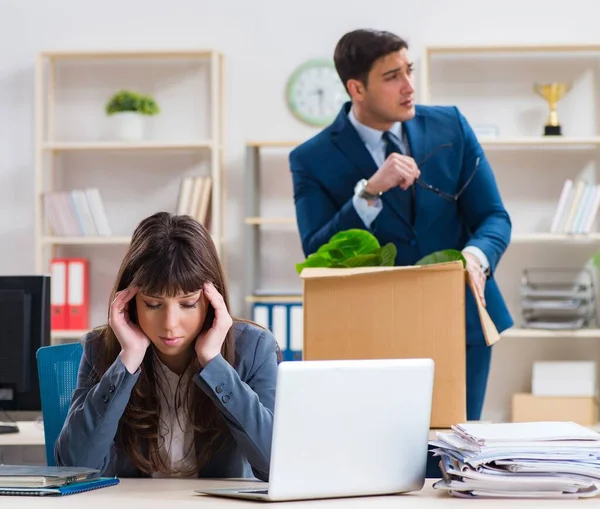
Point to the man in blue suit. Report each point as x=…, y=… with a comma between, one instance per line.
x=412, y=175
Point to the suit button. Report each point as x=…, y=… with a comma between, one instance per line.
x=219, y=389
x=226, y=398
x=413, y=242
x=111, y=388
x=105, y=398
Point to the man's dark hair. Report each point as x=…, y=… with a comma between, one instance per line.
x=357, y=51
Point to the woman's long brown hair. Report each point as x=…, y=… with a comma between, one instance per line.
x=168, y=255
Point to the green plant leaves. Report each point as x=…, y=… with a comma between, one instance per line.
x=446, y=255
x=351, y=248
x=126, y=100
x=359, y=248
x=388, y=255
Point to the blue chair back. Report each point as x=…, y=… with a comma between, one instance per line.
x=57, y=370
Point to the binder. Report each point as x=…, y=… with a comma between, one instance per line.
x=285, y=321
x=58, y=293
x=67, y=489
x=77, y=294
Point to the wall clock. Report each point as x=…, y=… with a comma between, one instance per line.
x=315, y=93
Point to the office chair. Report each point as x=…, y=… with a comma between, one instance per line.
x=57, y=370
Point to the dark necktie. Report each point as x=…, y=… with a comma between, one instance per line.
x=406, y=197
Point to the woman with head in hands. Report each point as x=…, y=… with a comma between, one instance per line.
x=172, y=385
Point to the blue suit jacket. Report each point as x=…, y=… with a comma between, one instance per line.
x=326, y=168
x=244, y=393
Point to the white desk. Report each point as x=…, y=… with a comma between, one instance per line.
x=159, y=493
x=30, y=433
x=25, y=447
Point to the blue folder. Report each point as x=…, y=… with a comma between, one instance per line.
x=67, y=489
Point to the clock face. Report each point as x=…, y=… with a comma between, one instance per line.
x=315, y=93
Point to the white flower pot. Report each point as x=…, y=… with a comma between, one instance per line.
x=129, y=125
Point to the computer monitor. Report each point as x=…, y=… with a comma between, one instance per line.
x=24, y=327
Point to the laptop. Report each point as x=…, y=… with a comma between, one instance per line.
x=346, y=428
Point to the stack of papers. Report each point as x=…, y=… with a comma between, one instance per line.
x=519, y=460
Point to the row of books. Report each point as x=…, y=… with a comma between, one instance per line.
x=69, y=294
x=194, y=198
x=78, y=212
x=577, y=208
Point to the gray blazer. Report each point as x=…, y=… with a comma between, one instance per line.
x=245, y=394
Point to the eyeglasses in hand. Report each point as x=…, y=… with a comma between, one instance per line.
x=442, y=194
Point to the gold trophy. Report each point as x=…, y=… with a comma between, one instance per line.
x=552, y=92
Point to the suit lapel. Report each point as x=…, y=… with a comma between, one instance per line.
x=348, y=141
x=418, y=141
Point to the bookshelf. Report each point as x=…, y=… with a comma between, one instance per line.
x=528, y=60
x=201, y=148
x=493, y=86
x=254, y=222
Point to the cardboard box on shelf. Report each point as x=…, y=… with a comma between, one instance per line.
x=582, y=410
x=395, y=312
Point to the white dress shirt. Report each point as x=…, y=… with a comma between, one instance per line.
x=175, y=425
x=372, y=138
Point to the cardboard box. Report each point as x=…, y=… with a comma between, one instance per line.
x=582, y=410
x=395, y=312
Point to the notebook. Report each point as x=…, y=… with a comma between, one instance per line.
x=33, y=476
x=67, y=489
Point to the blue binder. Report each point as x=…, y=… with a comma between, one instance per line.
x=285, y=321
x=67, y=489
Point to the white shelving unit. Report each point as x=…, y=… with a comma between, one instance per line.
x=568, y=153
x=254, y=221
x=49, y=147
x=564, y=144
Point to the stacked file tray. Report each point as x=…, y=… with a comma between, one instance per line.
x=557, y=299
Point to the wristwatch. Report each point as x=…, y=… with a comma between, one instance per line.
x=360, y=190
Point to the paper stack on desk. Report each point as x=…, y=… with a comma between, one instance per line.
x=519, y=460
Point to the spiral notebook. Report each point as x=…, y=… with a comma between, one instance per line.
x=69, y=489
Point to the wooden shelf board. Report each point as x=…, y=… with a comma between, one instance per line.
x=274, y=144
x=91, y=240
x=533, y=238
x=541, y=141
x=517, y=332
x=137, y=145
x=269, y=220
x=67, y=334
x=539, y=48
x=274, y=298
x=128, y=54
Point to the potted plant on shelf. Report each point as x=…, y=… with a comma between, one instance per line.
x=129, y=109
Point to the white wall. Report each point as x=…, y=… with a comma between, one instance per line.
x=263, y=42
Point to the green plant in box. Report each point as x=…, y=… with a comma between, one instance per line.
x=351, y=248
x=359, y=248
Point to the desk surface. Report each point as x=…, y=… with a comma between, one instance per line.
x=157, y=493
x=30, y=433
